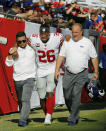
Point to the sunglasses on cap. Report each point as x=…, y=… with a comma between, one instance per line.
x=21, y=41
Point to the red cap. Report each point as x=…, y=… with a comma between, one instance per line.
x=38, y=9
x=93, y=10
x=86, y=9
x=53, y=6
x=45, y=12
x=55, y=2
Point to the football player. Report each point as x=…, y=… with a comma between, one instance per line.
x=46, y=46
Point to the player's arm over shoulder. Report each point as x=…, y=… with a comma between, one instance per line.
x=59, y=36
x=32, y=38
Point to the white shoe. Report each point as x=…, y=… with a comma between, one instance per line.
x=47, y=119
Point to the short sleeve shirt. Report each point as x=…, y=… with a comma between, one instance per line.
x=77, y=54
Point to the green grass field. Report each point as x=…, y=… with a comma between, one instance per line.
x=92, y=118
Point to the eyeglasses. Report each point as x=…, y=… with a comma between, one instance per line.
x=20, y=41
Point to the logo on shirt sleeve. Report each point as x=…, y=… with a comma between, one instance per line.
x=81, y=46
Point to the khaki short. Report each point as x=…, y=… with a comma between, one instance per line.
x=45, y=84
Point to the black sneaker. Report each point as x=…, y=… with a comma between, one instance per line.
x=22, y=123
x=71, y=123
x=77, y=121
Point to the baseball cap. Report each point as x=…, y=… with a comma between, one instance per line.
x=45, y=12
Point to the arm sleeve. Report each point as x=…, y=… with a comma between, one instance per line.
x=61, y=38
x=32, y=40
x=92, y=50
x=62, y=50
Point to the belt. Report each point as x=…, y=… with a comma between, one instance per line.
x=78, y=72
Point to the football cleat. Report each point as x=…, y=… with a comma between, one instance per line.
x=47, y=119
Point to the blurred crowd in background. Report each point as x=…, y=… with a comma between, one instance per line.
x=59, y=14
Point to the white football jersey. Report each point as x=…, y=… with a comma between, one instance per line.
x=46, y=52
